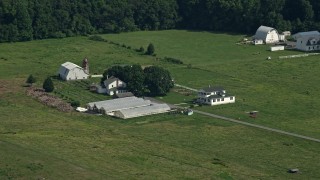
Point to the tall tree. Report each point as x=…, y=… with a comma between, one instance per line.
x=158, y=80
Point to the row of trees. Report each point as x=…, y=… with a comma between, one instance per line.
x=153, y=80
x=22, y=20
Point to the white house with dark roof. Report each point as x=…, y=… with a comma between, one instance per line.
x=114, y=86
x=268, y=35
x=214, y=96
x=307, y=41
x=70, y=71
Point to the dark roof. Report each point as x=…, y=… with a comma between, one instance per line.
x=219, y=96
x=211, y=89
x=123, y=95
x=111, y=79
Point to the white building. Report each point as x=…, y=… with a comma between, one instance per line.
x=128, y=107
x=276, y=48
x=214, y=96
x=114, y=86
x=69, y=71
x=307, y=41
x=268, y=35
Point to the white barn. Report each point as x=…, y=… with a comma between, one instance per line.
x=214, y=96
x=69, y=71
x=268, y=35
x=307, y=41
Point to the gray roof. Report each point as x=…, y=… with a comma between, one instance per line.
x=263, y=31
x=144, y=111
x=309, y=33
x=123, y=95
x=111, y=80
x=219, y=96
x=119, y=104
x=70, y=65
x=212, y=89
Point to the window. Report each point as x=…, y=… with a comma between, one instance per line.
x=222, y=99
x=214, y=100
x=231, y=98
x=301, y=42
x=218, y=100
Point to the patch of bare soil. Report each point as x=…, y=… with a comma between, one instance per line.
x=49, y=100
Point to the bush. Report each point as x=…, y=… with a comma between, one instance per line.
x=31, y=80
x=96, y=38
x=75, y=103
x=150, y=49
x=173, y=60
x=141, y=49
x=48, y=85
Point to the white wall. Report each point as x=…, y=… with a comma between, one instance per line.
x=272, y=37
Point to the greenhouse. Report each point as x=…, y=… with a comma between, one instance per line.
x=142, y=111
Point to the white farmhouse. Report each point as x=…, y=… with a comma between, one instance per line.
x=307, y=41
x=214, y=96
x=268, y=35
x=114, y=86
x=69, y=71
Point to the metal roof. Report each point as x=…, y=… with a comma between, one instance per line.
x=263, y=31
x=70, y=65
x=309, y=33
x=119, y=104
x=143, y=111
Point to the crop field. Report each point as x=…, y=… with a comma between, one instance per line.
x=39, y=142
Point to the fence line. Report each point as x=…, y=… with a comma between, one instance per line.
x=298, y=55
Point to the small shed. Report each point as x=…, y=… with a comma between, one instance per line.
x=276, y=48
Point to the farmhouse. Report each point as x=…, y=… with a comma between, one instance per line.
x=69, y=71
x=307, y=41
x=111, y=86
x=214, y=96
x=268, y=35
x=128, y=107
x=114, y=86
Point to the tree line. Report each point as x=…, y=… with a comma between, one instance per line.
x=22, y=20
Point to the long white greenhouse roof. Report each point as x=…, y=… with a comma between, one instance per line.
x=145, y=110
x=118, y=104
x=120, y=100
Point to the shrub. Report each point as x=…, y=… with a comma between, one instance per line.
x=96, y=38
x=48, y=85
x=31, y=80
x=150, y=49
x=75, y=103
x=141, y=49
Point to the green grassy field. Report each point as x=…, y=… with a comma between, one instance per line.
x=38, y=142
x=283, y=91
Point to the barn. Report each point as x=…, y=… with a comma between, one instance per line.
x=70, y=71
x=269, y=35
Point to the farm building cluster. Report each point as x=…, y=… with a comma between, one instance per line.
x=128, y=107
x=303, y=41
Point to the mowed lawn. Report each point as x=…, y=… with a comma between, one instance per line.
x=285, y=92
x=38, y=142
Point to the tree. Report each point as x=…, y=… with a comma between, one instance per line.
x=135, y=79
x=150, y=50
x=48, y=85
x=31, y=80
x=158, y=80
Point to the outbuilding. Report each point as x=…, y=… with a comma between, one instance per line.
x=268, y=35
x=70, y=71
x=276, y=48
